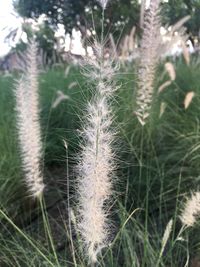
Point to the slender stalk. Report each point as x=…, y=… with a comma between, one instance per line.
x=47, y=228
x=26, y=238
x=69, y=208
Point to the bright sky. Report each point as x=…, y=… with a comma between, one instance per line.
x=8, y=21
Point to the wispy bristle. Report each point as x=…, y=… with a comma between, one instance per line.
x=28, y=126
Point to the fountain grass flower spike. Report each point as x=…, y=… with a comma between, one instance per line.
x=191, y=210
x=103, y=3
x=148, y=61
x=28, y=125
x=96, y=165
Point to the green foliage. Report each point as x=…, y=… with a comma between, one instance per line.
x=10, y=183
x=46, y=42
x=45, y=39
x=175, y=10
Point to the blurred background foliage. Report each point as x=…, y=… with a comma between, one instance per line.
x=83, y=16
x=121, y=15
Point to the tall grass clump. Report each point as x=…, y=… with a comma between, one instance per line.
x=148, y=61
x=96, y=163
x=28, y=126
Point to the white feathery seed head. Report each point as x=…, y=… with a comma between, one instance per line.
x=165, y=238
x=103, y=3
x=191, y=210
x=188, y=99
x=167, y=233
x=171, y=70
x=96, y=164
x=98, y=70
x=148, y=61
x=28, y=126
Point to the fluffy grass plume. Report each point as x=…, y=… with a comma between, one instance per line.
x=148, y=61
x=103, y=3
x=188, y=99
x=165, y=239
x=28, y=126
x=96, y=162
x=191, y=210
x=170, y=70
